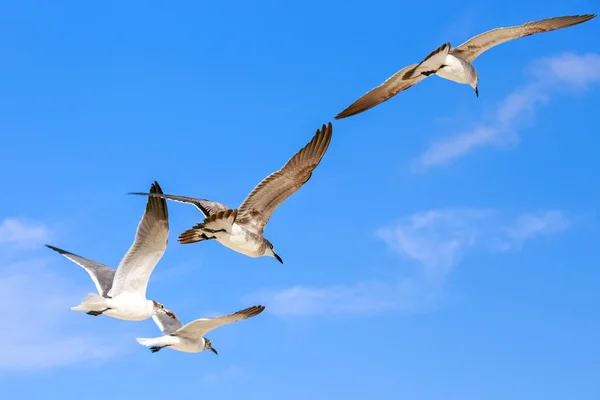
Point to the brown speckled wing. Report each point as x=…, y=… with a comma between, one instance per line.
x=388, y=89
x=206, y=207
x=475, y=46
x=257, y=208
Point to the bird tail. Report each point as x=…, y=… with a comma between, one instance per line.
x=150, y=342
x=431, y=63
x=155, y=344
x=220, y=222
x=92, y=302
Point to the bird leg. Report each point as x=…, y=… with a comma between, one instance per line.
x=154, y=349
x=96, y=313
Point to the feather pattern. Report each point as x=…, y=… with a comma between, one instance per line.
x=475, y=46
x=257, y=208
x=148, y=247
x=202, y=326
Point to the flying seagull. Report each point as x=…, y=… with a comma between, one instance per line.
x=455, y=63
x=190, y=338
x=122, y=292
x=242, y=229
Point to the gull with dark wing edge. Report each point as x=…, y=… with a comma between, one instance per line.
x=122, y=292
x=190, y=338
x=455, y=64
x=242, y=229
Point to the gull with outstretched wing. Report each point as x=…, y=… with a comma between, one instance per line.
x=122, y=292
x=242, y=229
x=455, y=64
x=190, y=338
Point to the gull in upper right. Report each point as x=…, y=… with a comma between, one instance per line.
x=190, y=338
x=456, y=64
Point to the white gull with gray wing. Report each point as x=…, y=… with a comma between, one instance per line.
x=122, y=292
x=190, y=338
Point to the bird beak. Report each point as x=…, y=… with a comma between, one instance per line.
x=278, y=258
x=214, y=351
x=477, y=91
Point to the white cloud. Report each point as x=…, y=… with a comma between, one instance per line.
x=359, y=298
x=21, y=233
x=435, y=241
x=35, y=311
x=227, y=374
x=539, y=223
x=552, y=75
x=576, y=71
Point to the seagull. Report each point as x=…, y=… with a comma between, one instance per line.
x=189, y=338
x=242, y=229
x=122, y=292
x=455, y=64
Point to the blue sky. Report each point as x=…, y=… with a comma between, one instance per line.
x=445, y=248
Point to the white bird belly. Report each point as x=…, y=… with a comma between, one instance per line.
x=188, y=345
x=239, y=241
x=457, y=70
x=129, y=308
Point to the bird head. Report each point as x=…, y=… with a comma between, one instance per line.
x=208, y=346
x=269, y=251
x=475, y=85
x=156, y=306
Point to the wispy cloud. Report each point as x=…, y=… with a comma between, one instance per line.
x=535, y=224
x=226, y=375
x=35, y=310
x=360, y=298
x=435, y=241
x=552, y=75
x=18, y=232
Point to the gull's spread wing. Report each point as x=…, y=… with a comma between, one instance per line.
x=148, y=247
x=200, y=327
x=475, y=46
x=101, y=274
x=257, y=208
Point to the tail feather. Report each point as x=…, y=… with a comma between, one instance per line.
x=92, y=302
x=148, y=342
x=220, y=222
x=155, y=344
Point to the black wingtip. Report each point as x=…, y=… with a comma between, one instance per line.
x=155, y=188
x=61, y=251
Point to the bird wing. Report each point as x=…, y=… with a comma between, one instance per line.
x=475, y=46
x=148, y=247
x=101, y=274
x=200, y=327
x=206, y=207
x=388, y=89
x=167, y=321
x=257, y=208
